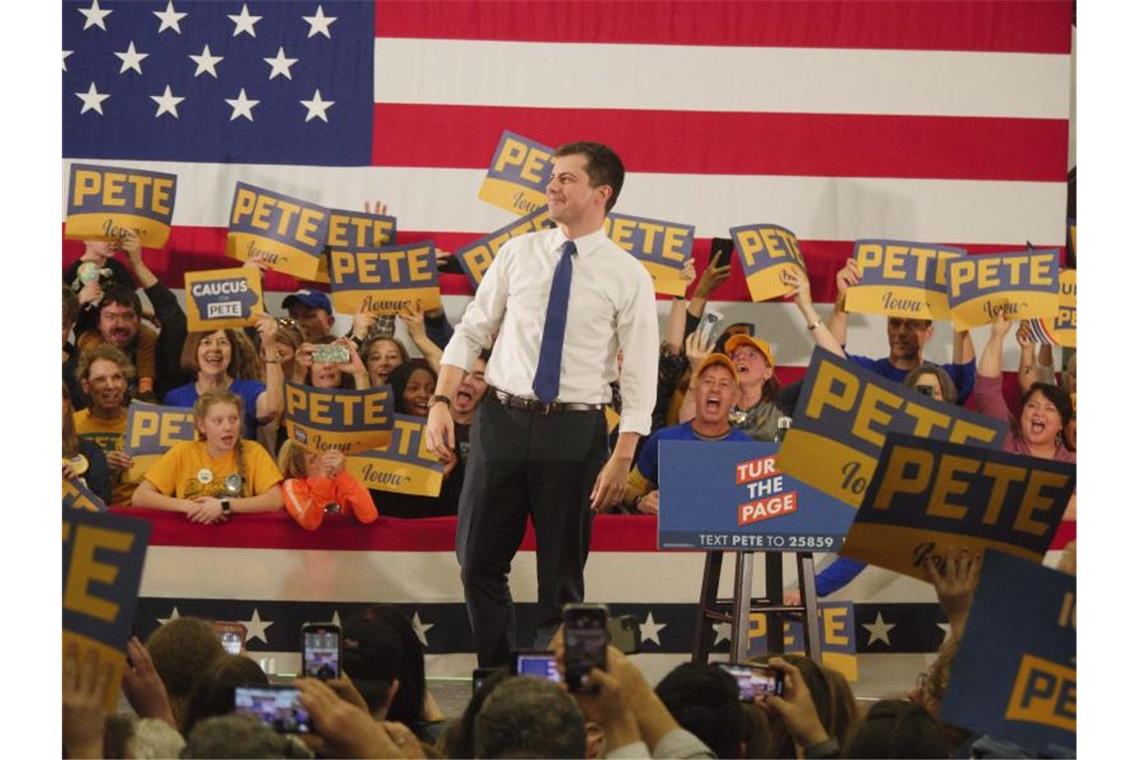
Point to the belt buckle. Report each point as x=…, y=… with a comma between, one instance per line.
x=542, y=408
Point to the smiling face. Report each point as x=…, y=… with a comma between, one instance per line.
x=215, y=353
x=751, y=366
x=418, y=391
x=571, y=199
x=472, y=389
x=105, y=385
x=383, y=357
x=907, y=337
x=118, y=325
x=1040, y=420
x=220, y=425
x=716, y=394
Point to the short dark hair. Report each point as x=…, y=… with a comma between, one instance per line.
x=705, y=700
x=898, y=728
x=603, y=166
x=70, y=305
x=117, y=293
x=1054, y=396
x=214, y=693
x=527, y=716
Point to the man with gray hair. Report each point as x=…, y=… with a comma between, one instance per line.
x=529, y=717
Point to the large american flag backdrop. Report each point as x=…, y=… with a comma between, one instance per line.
x=931, y=121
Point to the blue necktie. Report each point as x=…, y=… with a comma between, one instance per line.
x=546, y=377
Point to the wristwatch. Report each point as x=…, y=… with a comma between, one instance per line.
x=226, y=507
x=437, y=398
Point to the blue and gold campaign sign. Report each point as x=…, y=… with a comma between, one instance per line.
x=661, y=247
x=384, y=280
x=353, y=229
x=837, y=636
x=766, y=250
x=220, y=299
x=731, y=496
x=151, y=430
x=902, y=279
x=286, y=233
x=1022, y=284
x=1061, y=330
x=520, y=171
x=76, y=495
x=105, y=201
x=928, y=497
x=321, y=419
x=103, y=558
x=1015, y=674
x=844, y=413
x=476, y=256
x=405, y=466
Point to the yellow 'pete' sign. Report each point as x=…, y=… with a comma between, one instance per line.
x=405, y=466
x=661, y=247
x=1022, y=284
x=902, y=279
x=384, y=280
x=1062, y=330
x=476, y=257
x=151, y=430
x=220, y=299
x=352, y=229
x=322, y=419
x=765, y=250
x=928, y=497
x=520, y=171
x=843, y=415
x=286, y=233
x=105, y=201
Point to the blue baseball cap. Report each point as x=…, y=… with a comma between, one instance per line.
x=314, y=299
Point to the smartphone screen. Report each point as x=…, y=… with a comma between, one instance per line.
x=320, y=654
x=720, y=252
x=330, y=353
x=541, y=664
x=231, y=636
x=279, y=707
x=585, y=638
x=754, y=681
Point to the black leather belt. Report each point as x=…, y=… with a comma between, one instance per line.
x=511, y=401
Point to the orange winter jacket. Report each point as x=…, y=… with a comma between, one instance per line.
x=306, y=498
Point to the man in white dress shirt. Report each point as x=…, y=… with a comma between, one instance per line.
x=563, y=300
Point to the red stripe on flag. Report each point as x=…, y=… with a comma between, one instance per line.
x=996, y=25
x=697, y=142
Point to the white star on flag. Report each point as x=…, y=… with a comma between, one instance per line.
x=280, y=64
x=92, y=100
x=242, y=106
x=650, y=629
x=167, y=103
x=879, y=630
x=255, y=627
x=66, y=53
x=319, y=24
x=173, y=616
x=723, y=632
x=169, y=18
x=244, y=22
x=421, y=628
x=317, y=107
x=206, y=62
x=94, y=15
x=131, y=59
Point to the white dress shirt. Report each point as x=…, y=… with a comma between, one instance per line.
x=611, y=305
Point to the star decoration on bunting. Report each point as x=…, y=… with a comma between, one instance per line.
x=335, y=618
x=92, y=100
x=255, y=627
x=169, y=18
x=319, y=24
x=131, y=59
x=421, y=628
x=242, y=106
x=244, y=22
x=650, y=629
x=945, y=631
x=280, y=64
x=66, y=53
x=167, y=103
x=206, y=62
x=317, y=107
x=95, y=16
x=173, y=616
x=879, y=630
x=723, y=632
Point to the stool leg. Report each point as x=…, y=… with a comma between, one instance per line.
x=805, y=567
x=741, y=606
x=710, y=582
x=774, y=591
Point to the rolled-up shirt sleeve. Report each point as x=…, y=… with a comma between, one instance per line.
x=483, y=315
x=639, y=337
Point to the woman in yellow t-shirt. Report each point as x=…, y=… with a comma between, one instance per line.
x=217, y=475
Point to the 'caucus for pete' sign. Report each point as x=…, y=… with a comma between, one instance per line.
x=520, y=171
x=220, y=299
x=344, y=420
x=842, y=418
x=285, y=233
x=384, y=280
x=901, y=279
x=405, y=466
x=766, y=250
x=661, y=247
x=1023, y=285
x=103, y=202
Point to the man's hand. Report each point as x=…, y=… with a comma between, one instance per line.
x=344, y=730
x=362, y=322
x=955, y=584
x=130, y=244
x=440, y=431
x=142, y=686
x=711, y=279
x=795, y=707
x=84, y=689
x=609, y=487
x=91, y=293
x=697, y=350
x=648, y=503
x=205, y=510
